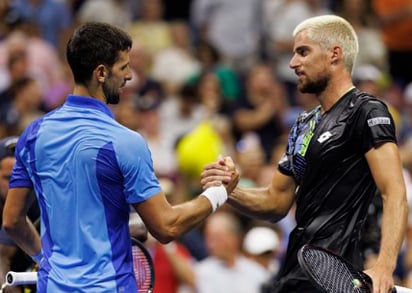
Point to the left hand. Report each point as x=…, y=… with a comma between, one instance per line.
x=382, y=279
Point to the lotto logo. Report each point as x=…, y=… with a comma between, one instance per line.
x=324, y=136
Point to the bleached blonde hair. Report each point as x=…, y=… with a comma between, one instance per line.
x=332, y=30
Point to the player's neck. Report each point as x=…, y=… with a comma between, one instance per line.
x=88, y=91
x=334, y=93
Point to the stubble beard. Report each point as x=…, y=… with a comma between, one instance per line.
x=111, y=94
x=314, y=86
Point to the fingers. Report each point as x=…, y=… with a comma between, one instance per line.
x=382, y=282
x=211, y=184
x=222, y=171
x=215, y=175
x=229, y=163
x=219, y=164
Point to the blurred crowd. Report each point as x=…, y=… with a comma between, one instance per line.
x=211, y=77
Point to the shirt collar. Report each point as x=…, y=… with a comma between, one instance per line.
x=87, y=102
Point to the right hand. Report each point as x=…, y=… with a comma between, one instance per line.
x=222, y=171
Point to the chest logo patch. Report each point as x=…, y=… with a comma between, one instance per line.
x=324, y=136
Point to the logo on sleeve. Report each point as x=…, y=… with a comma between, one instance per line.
x=379, y=120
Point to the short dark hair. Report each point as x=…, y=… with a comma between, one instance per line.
x=92, y=44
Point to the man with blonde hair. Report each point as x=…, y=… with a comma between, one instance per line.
x=338, y=156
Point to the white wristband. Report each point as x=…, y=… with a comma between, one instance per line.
x=217, y=195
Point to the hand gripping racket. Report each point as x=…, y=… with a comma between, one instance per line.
x=331, y=273
x=142, y=265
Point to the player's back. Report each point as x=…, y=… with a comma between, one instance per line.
x=78, y=181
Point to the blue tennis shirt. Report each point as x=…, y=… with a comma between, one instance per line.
x=86, y=170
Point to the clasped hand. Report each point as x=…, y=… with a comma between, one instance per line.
x=222, y=171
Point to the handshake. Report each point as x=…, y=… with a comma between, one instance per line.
x=218, y=180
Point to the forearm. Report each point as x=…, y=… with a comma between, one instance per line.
x=173, y=221
x=258, y=203
x=16, y=223
x=25, y=235
x=393, y=231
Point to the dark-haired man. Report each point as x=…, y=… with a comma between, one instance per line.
x=86, y=170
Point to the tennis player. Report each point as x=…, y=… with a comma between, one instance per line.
x=86, y=170
x=337, y=156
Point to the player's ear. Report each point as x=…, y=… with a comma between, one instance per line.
x=100, y=73
x=336, y=54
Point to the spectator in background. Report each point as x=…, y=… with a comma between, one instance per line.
x=160, y=142
x=173, y=267
x=372, y=50
x=210, y=61
x=395, y=19
x=210, y=95
x=216, y=109
x=24, y=106
x=183, y=111
x=233, y=27
x=53, y=19
x=367, y=77
x=16, y=68
x=262, y=244
x=251, y=159
x=142, y=82
x=174, y=65
x=150, y=30
x=43, y=63
x=115, y=12
x=260, y=110
x=226, y=269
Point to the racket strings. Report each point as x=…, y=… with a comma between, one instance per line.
x=142, y=270
x=332, y=275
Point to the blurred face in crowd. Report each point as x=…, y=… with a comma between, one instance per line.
x=30, y=95
x=222, y=239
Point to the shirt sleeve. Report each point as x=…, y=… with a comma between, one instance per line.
x=20, y=176
x=140, y=181
x=375, y=125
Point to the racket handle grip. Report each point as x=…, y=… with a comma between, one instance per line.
x=21, y=278
x=399, y=289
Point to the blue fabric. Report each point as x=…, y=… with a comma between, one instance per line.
x=86, y=170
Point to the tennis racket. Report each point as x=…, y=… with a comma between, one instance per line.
x=142, y=265
x=331, y=273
